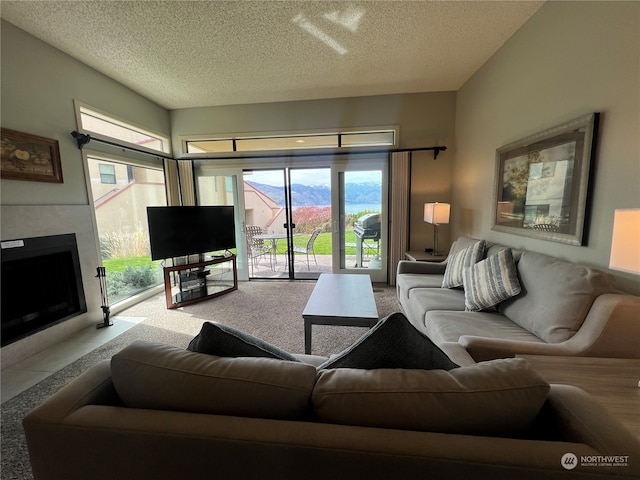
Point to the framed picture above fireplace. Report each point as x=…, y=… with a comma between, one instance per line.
x=542, y=182
x=29, y=157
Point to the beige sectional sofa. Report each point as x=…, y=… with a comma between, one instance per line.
x=562, y=309
x=160, y=412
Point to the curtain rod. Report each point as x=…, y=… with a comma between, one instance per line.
x=82, y=139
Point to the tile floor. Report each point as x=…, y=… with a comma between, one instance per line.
x=22, y=375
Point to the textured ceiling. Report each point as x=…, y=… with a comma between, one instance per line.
x=184, y=54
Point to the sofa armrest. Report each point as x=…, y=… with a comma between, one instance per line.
x=457, y=353
x=483, y=349
x=93, y=387
x=580, y=418
x=407, y=266
x=611, y=329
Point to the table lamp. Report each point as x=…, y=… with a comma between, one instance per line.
x=625, y=241
x=435, y=214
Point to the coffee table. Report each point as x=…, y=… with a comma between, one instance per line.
x=340, y=299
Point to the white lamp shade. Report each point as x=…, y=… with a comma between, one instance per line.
x=436, y=213
x=625, y=242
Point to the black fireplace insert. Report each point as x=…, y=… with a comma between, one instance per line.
x=41, y=284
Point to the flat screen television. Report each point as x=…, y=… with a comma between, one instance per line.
x=190, y=230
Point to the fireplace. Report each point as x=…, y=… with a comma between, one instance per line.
x=41, y=284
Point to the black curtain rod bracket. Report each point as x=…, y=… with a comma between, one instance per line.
x=437, y=150
x=81, y=138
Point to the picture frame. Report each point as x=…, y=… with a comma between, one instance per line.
x=542, y=182
x=24, y=156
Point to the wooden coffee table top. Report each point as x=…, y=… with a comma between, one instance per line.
x=611, y=381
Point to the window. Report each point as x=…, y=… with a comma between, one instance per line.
x=107, y=173
x=102, y=124
x=293, y=141
x=121, y=218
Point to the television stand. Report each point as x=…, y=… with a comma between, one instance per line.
x=196, y=282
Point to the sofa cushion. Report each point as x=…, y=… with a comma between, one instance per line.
x=450, y=326
x=162, y=377
x=556, y=296
x=456, y=263
x=425, y=300
x=498, y=397
x=461, y=243
x=226, y=341
x=392, y=343
x=405, y=282
x=491, y=281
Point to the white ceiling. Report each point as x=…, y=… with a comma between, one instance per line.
x=183, y=54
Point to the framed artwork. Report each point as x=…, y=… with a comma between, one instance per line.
x=29, y=157
x=542, y=182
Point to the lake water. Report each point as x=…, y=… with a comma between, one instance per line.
x=360, y=207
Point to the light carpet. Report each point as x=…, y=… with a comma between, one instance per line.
x=271, y=310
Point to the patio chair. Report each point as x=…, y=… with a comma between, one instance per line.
x=546, y=227
x=308, y=249
x=256, y=247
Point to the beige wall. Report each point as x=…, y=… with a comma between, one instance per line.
x=39, y=86
x=424, y=119
x=570, y=59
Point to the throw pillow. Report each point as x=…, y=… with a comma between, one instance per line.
x=498, y=397
x=454, y=271
x=491, y=281
x=225, y=341
x=163, y=377
x=392, y=343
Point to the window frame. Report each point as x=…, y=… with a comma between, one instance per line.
x=338, y=132
x=83, y=108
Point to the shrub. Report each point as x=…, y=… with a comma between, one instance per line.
x=307, y=219
x=123, y=244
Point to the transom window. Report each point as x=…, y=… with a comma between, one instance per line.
x=372, y=138
x=104, y=125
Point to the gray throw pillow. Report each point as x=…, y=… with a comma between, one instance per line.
x=224, y=341
x=491, y=281
x=392, y=343
x=456, y=263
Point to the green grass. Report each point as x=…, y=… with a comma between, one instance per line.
x=322, y=245
x=119, y=264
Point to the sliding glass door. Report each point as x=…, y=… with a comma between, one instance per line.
x=266, y=222
x=222, y=187
x=288, y=222
x=360, y=223
x=311, y=213
x=297, y=222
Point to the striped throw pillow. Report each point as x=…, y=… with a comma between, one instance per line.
x=456, y=263
x=491, y=281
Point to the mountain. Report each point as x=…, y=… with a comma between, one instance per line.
x=320, y=195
